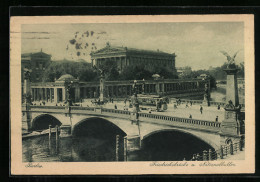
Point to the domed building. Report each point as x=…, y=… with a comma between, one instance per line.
x=66, y=78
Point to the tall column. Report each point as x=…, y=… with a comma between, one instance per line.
x=231, y=125
x=102, y=87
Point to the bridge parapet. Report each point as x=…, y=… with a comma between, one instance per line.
x=204, y=125
x=214, y=103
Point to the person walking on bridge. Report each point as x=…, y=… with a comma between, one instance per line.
x=201, y=109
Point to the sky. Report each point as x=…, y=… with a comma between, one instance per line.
x=197, y=45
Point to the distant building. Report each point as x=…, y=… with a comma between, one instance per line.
x=124, y=56
x=37, y=63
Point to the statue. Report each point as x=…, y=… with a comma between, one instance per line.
x=101, y=72
x=230, y=105
x=231, y=60
x=27, y=74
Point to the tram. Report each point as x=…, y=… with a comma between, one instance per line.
x=153, y=100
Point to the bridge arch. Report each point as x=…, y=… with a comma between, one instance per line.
x=207, y=140
x=98, y=124
x=172, y=145
x=43, y=121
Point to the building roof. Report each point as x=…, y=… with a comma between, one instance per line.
x=36, y=54
x=66, y=77
x=113, y=49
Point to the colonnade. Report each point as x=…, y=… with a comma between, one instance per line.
x=114, y=89
x=49, y=94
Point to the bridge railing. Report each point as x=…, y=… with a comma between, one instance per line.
x=47, y=107
x=176, y=121
x=193, y=123
x=214, y=103
x=224, y=151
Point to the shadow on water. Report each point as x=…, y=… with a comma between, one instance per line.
x=170, y=146
x=93, y=140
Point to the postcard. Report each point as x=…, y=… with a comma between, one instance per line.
x=161, y=94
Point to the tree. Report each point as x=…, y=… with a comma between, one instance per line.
x=81, y=70
x=137, y=72
x=110, y=69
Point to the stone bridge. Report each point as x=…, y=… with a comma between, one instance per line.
x=73, y=117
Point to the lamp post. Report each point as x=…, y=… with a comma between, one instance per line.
x=136, y=108
x=69, y=101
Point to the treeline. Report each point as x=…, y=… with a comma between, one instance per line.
x=85, y=72
x=216, y=73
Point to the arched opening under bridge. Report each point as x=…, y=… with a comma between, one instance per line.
x=42, y=122
x=94, y=139
x=171, y=145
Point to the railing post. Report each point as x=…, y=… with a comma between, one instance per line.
x=221, y=152
x=117, y=147
x=125, y=148
x=231, y=149
x=210, y=155
x=57, y=138
x=205, y=153
x=49, y=132
x=240, y=145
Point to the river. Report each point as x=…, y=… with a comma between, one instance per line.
x=164, y=146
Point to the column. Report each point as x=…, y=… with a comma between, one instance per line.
x=55, y=95
x=157, y=88
x=77, y=93
x=34, y=94
x=125, y=90
x=52, y=94
x=45, y=94
x=116, y=91
x=63, y=94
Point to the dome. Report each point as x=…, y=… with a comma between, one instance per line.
x=66, y=77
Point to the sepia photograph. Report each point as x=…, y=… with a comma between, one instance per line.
x=132, y=94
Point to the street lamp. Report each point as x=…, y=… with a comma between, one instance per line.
x=69, y=100
x=136, y=108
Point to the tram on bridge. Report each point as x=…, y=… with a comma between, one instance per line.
x=153, y=100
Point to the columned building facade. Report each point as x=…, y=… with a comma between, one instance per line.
x=56, y=91
x=124, y=56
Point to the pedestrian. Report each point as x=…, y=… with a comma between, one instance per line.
x=193, y=157
x=190, y=116
x=218, y=107
x=201, y=109
x=115, y=106
x=112, y=100
x=216, y=118
x=175, y=106
x=190, y=103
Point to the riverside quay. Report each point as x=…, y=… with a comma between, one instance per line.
x=56, y=91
